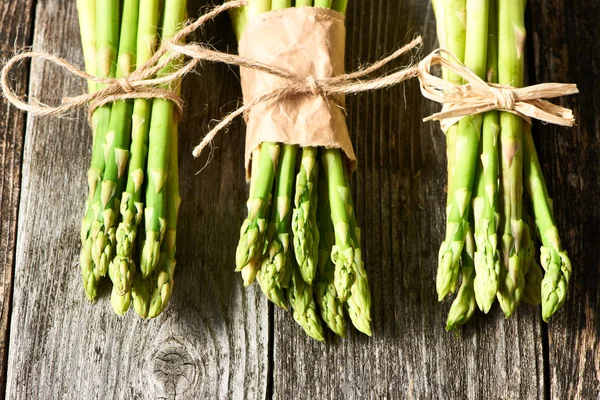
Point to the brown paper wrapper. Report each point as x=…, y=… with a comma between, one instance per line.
x=308, y=41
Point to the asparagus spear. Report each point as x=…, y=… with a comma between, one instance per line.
x=553, y=258
x=511, y=40
x=332, y=308
x=158, y=153
x=304, y=219
x=278, y=4
x=117, y=157
x=532, y=270
x=86, y=11
x=252, y=233
x=250, y=271
x=342, y=253
x=464, y=304
x=155, y=280
x=163, y=278
x=323, y=3
x=131, y=201
x=454, y=12
x=154, y=292
x=304, y=3
x=467, y=152
x=300, y=296
x=485, y=205
x=275, y=260
x=93, y=260
x=359, y=301
x=339, y=5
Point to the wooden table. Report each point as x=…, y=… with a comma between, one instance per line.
x=217, y=340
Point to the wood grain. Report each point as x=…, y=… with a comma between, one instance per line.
x=15, y=32
x=565, y=44
x=400, y=203
x=212, y=341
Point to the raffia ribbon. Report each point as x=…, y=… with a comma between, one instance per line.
x=477, y=96
x=474, y=97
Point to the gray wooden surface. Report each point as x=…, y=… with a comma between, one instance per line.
x=217, y=340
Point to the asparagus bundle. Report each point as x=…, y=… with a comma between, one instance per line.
x=300, y=239
x=134, y=171
x=490, y=158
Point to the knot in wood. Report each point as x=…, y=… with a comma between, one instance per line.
x=504, y=99
x=174, y=369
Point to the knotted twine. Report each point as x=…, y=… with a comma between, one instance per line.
x=476, y=96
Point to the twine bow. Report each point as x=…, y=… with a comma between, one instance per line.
x=477, y=96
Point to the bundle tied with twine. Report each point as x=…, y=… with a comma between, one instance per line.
x=476, y=96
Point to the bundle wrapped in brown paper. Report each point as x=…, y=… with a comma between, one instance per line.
x=310, y=42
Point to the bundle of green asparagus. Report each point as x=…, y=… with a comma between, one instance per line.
x=128, y=230
x=490, y=158
x=301, y=198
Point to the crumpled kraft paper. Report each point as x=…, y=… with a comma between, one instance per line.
x=309, y=41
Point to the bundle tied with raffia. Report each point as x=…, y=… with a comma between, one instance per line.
x=476, y=96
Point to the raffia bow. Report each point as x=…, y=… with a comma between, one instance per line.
x=477, y=96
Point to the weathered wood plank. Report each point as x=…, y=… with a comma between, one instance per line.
x=566, y=50
x=15, y=32
x=400, y=202
x=212, y=340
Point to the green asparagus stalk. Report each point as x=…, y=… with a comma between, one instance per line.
x=131, y=201
x=93, y=260
x=117, y=157
x=485, y=205
x=163, y=281
x=250, y=271
x=304, y=219
x=467, y=152
x=532, y=271
x=278, y=4
x=158, y=153
x=252, y=240
x=323, y=3
x=464, y=304
x=252, y=233
x=275, y=260
x=438, y=10
x=554, y=260
x=257, y=7
x=460, y=149
x=332, y=308
x=510, y=72
x=533, y=281
x=339, y=5
x=359, y=301
x=302, y=301
x=342, y=253
x=304, y=3
x=86, y=11
x=152, y=294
